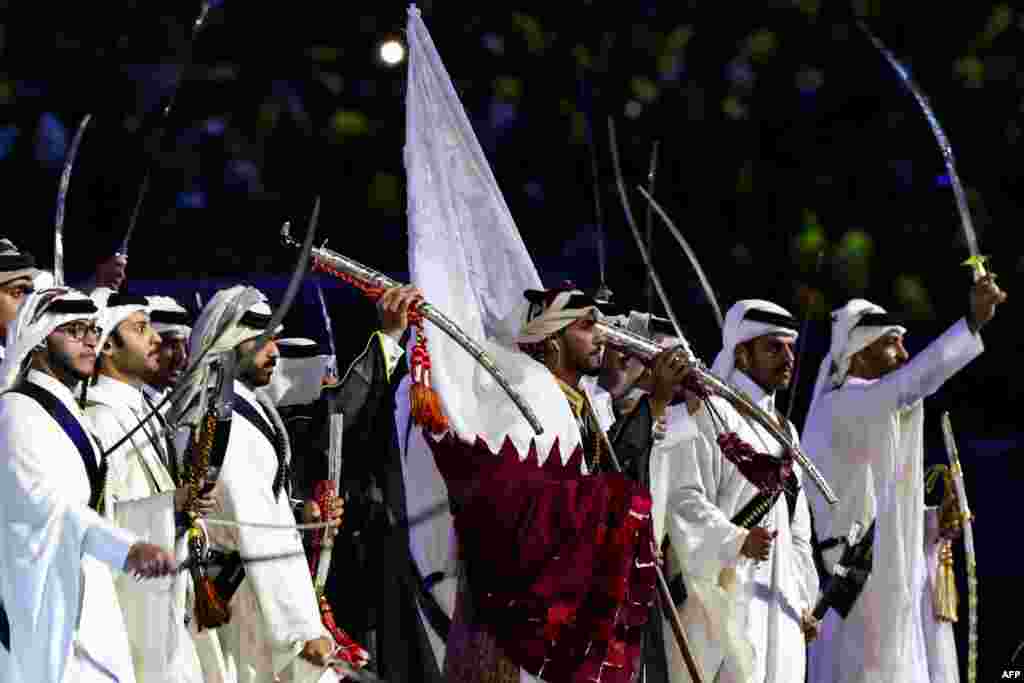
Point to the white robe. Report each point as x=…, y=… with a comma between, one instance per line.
x=155, y=395
x=56, y=554
x=750, y=630
x=275, y=610
x=867, y=437
x=142, y=492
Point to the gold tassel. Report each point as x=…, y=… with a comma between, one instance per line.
x=946, y=598
x=944, y=594
x=210, y=609
x=425, y=403
x=426, y=408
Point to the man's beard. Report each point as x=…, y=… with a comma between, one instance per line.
x=254, y=377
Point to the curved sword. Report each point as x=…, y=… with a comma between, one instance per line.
x=708, y=292
x=368, y=276
x=301, y=268
x=667, y=604
x=165, y=115
x=968, y=528
x=332, y=365
x=719, y=386
x=621, y=185
x=802, y=340
x=975, y=261
x=649, y=220
x=62, y=197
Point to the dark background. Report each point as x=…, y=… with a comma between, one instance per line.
x=782, y=133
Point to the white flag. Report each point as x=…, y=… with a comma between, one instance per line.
x=467, y=256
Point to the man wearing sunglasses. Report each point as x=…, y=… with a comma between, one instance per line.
x=58, y=549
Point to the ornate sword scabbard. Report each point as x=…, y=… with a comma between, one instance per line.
x=211, y=610
x=646, y=350
x=957, y=474
x=376, y=281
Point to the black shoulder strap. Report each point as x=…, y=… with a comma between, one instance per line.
x=5, y=629
x=754, y=511
x=97, y=472
x=246, y=410
x=792, y=487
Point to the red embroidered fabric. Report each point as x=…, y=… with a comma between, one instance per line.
x=560, y=565
x=764, y=471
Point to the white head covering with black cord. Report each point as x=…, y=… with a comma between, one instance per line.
x=39, y=314
x=115, y=307
x=169, y=318
x=746, y=320
x=15, y=264
x=552, y=310
x=299, y=375
x=231, y=317
x=855, y=326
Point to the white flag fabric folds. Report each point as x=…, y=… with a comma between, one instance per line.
x=466, y=255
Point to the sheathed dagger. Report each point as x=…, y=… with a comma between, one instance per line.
x=957, y=473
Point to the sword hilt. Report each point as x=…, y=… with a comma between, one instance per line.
x=977, y=264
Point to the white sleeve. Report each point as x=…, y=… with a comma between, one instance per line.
x=804, y=569
x=704, y=540
x=28, y=484
x=677, y=445
x=921, y=377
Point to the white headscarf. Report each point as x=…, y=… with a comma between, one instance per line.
x=32, y=325
x=847, y=339
x=43, y=279
x=165, y=305
x=299, y=375
x=219, y=327
x=113, y=315
x=553, y=318
x=738, y=330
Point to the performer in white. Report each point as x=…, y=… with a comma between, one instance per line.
x=57, y=550
x=17, y=273
x=865, y=431
x=143, y=489
x=18, y=278
x=174, y=324
x=745, y=556
x=275, y=628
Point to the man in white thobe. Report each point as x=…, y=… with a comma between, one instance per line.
x=745, y=556
x=865, y=432
x=17, y=276
x=144, y=492
x=276, y=628
x=57, y=549
x=174, y=324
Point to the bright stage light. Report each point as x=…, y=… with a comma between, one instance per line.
x=392, y=52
